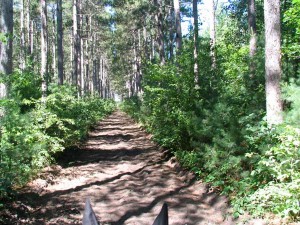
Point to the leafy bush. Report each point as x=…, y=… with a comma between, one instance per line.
x=219, y=125
x=279, y=166
x=29, y=140
x=25, y=146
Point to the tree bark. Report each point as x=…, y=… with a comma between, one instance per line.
x=6, y=48
x=87, y=54
x=196, y=44
x=54, y=42
x=44, y=49
x=27, y=23
x=160, y=33
x=31, y=38
x=75, y=44
x=80, y=50
x=273, y=61
x=60, y=50
x=178, y=25
x=253, y=36
x=22, y=36
x=212, y=31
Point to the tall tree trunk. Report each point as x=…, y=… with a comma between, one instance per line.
x=27, y=24
x=253, y=36
x=60, y=50
x=6, y=48
x=87, y=52
x=135, y=66
x=212, y=32
x=75, y=44
x=22, y=36
x=145, y=43
x=196, y=44
x=160, y=33
x=31, y=39
x=273, y=61
x=44, y=49
x=54, y=42
x=178, y=25
x=80, y=50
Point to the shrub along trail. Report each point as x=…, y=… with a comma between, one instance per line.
x=127, y=178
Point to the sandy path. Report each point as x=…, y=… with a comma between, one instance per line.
x=127, y=179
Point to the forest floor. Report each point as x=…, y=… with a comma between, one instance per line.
x=127, y=178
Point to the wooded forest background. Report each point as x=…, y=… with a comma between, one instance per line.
x=224, y=99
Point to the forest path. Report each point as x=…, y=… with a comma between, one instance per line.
x=127, y=179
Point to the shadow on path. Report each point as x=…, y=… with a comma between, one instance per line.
x=126, y=177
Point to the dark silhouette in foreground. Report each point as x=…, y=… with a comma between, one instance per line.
x=162, y=218
x=89, y=217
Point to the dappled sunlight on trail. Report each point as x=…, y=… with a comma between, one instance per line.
x=127, y=178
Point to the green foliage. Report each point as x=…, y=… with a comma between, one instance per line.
x=24, y=84
x=219, y=125
x=25, y=146
x=290, y=39
x=30, y=139
x=276, y=169
x=291, y=94
x=132, y=106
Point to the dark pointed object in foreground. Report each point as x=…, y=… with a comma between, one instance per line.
x=162, y=218
x=89, y=217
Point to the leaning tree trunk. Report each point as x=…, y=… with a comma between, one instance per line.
x=273, y=61
x=60, y=51
x=253, y=36
x=196, y=44
x=44, y=49
x=6, y=27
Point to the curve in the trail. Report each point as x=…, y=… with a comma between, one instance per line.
x=127, y=178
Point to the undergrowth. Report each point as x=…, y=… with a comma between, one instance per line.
x=218, y=131
x=32, y=131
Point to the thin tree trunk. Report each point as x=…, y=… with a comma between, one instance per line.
x=139, y=63
x=212, y=32
x=80, y=51
x=22, y=36
x=178, y=25
x=27, y=23
x=6, y=49
x=253, y=36
x=160, y=33
x=70, y=80
x=87, y=52
x=44, y=49
x=145, y=43
x=273, y=61
x=60, y=50
x=171, y=33
x=82, y=83
x=196, y=44
x=75, y=44
x=135, y=66
x=31, y=39
x=54, y=42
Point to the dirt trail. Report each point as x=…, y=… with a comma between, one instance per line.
x=127, y=179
